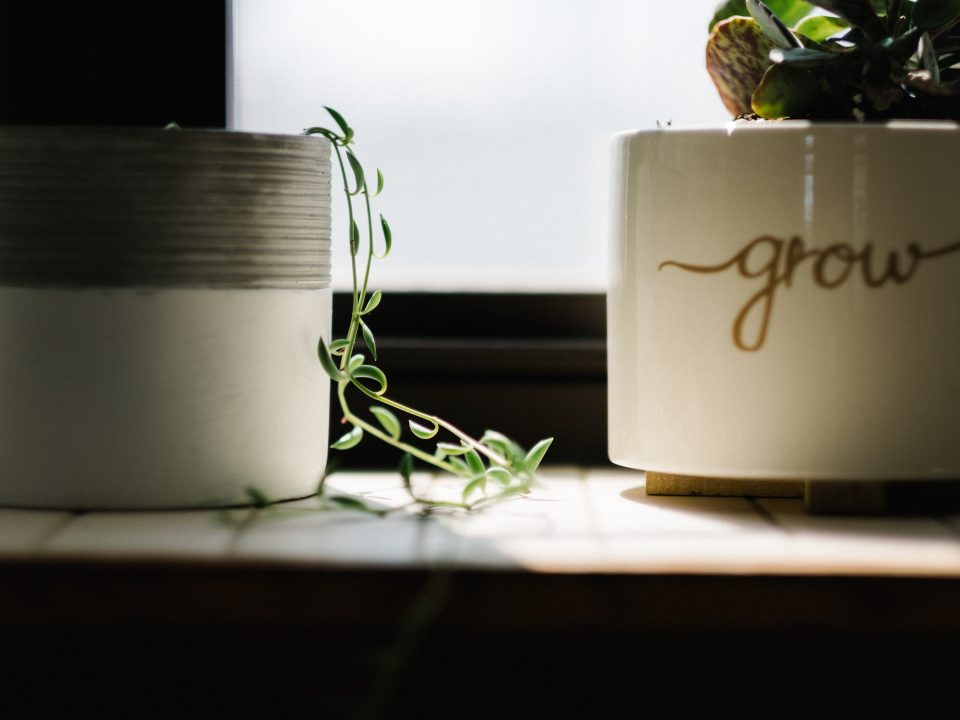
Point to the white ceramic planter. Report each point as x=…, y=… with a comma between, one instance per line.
x=161, y=299
x=784, y=301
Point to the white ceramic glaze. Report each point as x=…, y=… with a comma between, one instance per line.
x=784, y=301
x=160, y=398
x=162, y=294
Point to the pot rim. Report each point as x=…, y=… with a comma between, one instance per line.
x=802, y=127
x=126, y=139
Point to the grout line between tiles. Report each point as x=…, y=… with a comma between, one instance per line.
x=48, y=537
x=768, y=516
x=242, y=526
x=593, y=519
x=594, y=525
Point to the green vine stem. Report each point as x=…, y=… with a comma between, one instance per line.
x=492, y=467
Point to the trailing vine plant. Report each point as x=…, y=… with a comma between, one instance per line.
x=492, y=467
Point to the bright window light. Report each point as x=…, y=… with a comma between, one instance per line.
x=490, y=119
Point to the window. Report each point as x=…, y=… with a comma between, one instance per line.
x=491, y=119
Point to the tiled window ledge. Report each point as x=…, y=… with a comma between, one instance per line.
x=597, y=521
x=581, y=595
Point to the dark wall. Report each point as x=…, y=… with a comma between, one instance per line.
x=113, y=63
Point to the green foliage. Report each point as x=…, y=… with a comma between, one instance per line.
x=349, y=440
x=388, y=421
x=509, y=469
x=789, y=11
x=368, y=339
x=821, y=27
x=837, y=59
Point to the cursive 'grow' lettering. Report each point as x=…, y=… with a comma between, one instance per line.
x=775, y=261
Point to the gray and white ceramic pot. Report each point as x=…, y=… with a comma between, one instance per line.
x=162, y=293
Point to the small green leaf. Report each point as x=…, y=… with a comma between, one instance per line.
x=354, y=238
x=422, y=431
x=349, y=440
x=257, y=498
x=461, y=466
x=338, y=119
x=478, y=483
x=406, y=469
x=859, y=13
x=388, y=420
x=337, y=346
x=369, y=372
x=387, y=237
x=355, y=362
x=499, y=475
x=357, y=172
x=369, y=339
x=821, y=27
x=535, y=456
x=379, y=183
x=332, y=137
x=372, y=302
x=790, y=11
x=928, y=57
x=474, y=462
x=504, y=445
x=327, y=363
x=500, y=443
x=451, y=449
x=787, y=92
x=772, y=26
x=932, y=14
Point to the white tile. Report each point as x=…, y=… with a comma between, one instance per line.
x=791, y=516
x=551, y=529
x=742, y=552
x=846, y=554
x=306, y=531
x=558, y=505
x=568, y=553
x=888, y=545
x=181, y=534
x=380, y=488
x=25, y=531
x=601, y=521
x=554, y=511
x=622, y=507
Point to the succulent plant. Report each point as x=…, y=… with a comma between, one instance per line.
x=837, y=59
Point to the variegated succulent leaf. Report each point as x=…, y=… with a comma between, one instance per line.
x=738, y=54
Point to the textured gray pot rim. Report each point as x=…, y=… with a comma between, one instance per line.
x=149, y=130
x=85, y=206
